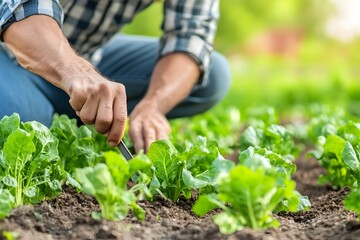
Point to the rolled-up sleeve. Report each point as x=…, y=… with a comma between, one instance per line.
x=189, y=26
x=15, y=10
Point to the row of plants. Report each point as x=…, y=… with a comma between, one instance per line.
x=338, y=151
x=36, y=161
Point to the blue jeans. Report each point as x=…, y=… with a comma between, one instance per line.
x=126, y=59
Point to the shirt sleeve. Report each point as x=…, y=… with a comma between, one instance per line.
x=15, y=10
x=189, y=26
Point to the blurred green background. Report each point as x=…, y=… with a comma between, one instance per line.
x=280, y=54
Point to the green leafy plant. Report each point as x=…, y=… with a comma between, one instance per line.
x=10, y=235
x=273, y=162
x=76, y=145
x=251, y=192
x=322, y=126
x=263, y=158
x=248, y=198
x=274, y=137
x=176, y=174
x=7, y=202
x=107, y=183
x=261, y=116
x=219, y=125
x=341, y=160
x=29, y=163
x=351, y=202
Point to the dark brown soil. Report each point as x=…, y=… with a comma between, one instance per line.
x=69, y=217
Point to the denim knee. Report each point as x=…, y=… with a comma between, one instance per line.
x=219, y=78
x=19, y=93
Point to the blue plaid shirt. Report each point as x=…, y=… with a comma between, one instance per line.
x=189, y=26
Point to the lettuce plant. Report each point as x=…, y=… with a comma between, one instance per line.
x=76, y=145
x=176, y=173
x=250, y=192
x=107, y=183
x=273, y=162
x=274, y=137
x=248, y=198
x=341, y=160
x=263, y=158
x=29, y=162
x=338, y=152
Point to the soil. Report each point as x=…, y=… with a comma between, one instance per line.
x=69, y=217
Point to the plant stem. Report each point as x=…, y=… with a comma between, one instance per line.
x=251, y=212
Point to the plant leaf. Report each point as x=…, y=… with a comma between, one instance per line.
x=205, y=204
x=349, y=157
x=10, y=181
x=7, y=126
x=7, y=202
x=351, y=202
x=227, y=223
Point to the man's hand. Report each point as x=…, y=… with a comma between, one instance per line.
x=147, y=124
x=99, y=101
x=41, y=47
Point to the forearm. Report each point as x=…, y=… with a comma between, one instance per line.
x=172, y=80
x=40, y=46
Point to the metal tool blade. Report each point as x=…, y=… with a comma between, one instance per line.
x=125, y=151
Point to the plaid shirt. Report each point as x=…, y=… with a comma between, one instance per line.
x=189, y=26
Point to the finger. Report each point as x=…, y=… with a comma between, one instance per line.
x=77, y=102
x=135, y=133
x=165, y=126
x=149, y=133
x=88, y=111
x=104, y=115
x=161, y=134
x=119, y=121
x=160, y=130
x=162, y=127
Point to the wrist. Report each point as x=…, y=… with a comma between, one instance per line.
x=72, y=70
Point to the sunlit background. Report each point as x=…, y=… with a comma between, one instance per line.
x=287, y=54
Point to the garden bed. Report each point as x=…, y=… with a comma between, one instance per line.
x=69, y=217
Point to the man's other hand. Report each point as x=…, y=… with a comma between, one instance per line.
x=147, y=124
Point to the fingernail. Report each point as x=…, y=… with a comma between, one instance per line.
x=112, y=144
